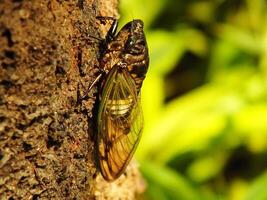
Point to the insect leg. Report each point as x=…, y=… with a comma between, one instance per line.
x=91, y=86
x=113, y=29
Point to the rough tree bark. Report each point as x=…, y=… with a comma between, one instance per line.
x=47, y=58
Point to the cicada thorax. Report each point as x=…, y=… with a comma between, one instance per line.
x=128, y=48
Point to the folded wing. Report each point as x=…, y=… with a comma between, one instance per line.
x=120, y=123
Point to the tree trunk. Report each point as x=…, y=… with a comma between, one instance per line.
x=48, y=58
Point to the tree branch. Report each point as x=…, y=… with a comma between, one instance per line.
x=48, y=59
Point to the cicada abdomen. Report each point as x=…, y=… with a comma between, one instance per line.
x=120, y=118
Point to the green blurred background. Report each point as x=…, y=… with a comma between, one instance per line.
x=204, y=98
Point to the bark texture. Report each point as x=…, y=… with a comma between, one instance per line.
x=47, y=59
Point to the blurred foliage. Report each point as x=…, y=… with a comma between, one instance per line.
x=204, y=98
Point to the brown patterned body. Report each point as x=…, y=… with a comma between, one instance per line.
x=120, y=120
x=128, y=48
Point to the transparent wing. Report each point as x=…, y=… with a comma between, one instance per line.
x=120, y=123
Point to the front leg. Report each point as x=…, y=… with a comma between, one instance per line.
x=113, y=28
x=109, y=36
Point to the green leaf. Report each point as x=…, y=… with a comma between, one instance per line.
x=173, y=184
x=240, y=37
x=258, y=190
x=146, y=10
x=165, y=48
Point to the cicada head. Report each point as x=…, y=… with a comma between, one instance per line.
x=135, y=42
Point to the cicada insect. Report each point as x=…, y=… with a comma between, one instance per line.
x=124, y=60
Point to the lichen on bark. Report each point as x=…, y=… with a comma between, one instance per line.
x=47, y=59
